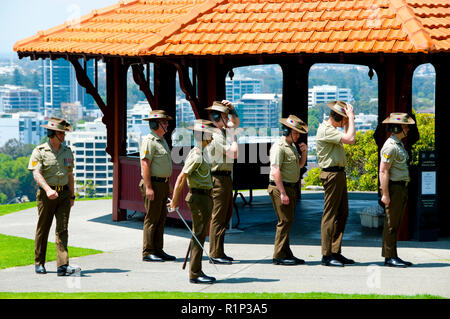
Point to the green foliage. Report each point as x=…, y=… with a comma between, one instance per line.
x=88, y=188
x=16, y=149
x=15, y=178
x=426, y=127
x=362, y=163
x=313, y=177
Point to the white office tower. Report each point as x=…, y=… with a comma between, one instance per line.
x=18, y=99
x=92, y=164
x=235, y=89
x=259, y=110
x=22, y=126
x=325, y=93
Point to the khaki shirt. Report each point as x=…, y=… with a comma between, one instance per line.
x=330, y=150
x=394, y=153
x=157, y=151
x=54, y=166
x=286, y=157
x=217, y=153
x=198, y=170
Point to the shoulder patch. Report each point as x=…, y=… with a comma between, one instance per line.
x=386, y=156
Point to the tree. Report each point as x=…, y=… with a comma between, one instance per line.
x=426, y=127
x=313, y=177
x=15, y=178
x=16, y=149
x=362, y=163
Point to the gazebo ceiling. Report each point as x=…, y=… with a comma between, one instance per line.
x=221, y=27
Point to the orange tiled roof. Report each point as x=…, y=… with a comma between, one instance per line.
x=200, y=27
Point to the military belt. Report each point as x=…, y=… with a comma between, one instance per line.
x=201, y=191
x=334, y=169
x=58, y=188
x=221, y=173
x=286, y=184
x=160, y=179
x=402, y=183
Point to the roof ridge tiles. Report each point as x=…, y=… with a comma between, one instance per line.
x=419, y=37
x=175, y=26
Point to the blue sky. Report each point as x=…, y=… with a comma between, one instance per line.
x=20, y=19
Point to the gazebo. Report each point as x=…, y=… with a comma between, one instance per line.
x=203, y=40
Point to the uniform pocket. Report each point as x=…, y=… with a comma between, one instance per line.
x=290, y=158
x=49, y=162
x=189, y=198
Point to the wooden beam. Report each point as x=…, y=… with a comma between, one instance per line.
x=143, y=83
x=187, y=87
x=85, y=82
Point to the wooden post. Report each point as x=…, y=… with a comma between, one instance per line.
x=442, y=97
x=394, y=95
x=165, y=93
x=295, y=89
x=211, y=84
x=116, y=126
x=295, y=96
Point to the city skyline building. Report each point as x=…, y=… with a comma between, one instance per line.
x=92, y=164
x=237, y=88
x=259, y=110
x=25, y=127
x=18, y=98
x=323, y=94
x=59, y=85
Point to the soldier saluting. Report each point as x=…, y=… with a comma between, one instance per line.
x=52, y=165
x=332, y=160
x=222, y=154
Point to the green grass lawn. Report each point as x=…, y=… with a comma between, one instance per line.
x=200, y=295
x=18, y=251
x=12, y=208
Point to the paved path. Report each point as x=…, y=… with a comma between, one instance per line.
x=120, y=268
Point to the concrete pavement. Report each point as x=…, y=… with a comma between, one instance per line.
x=121, y=269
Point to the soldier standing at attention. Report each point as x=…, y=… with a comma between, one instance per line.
x=394, y=178
x=332, y=160
x=285, y=165
x=197, y=172
x=52, y=165
x=222, y=154
x=156, y=169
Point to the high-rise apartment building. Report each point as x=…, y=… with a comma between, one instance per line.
x=18, y=98
x=235, y=89
x=22, y=126
x=325, y=93
x=60, y=85
x=259, y=110
x=185, y=115
x=92, y=163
